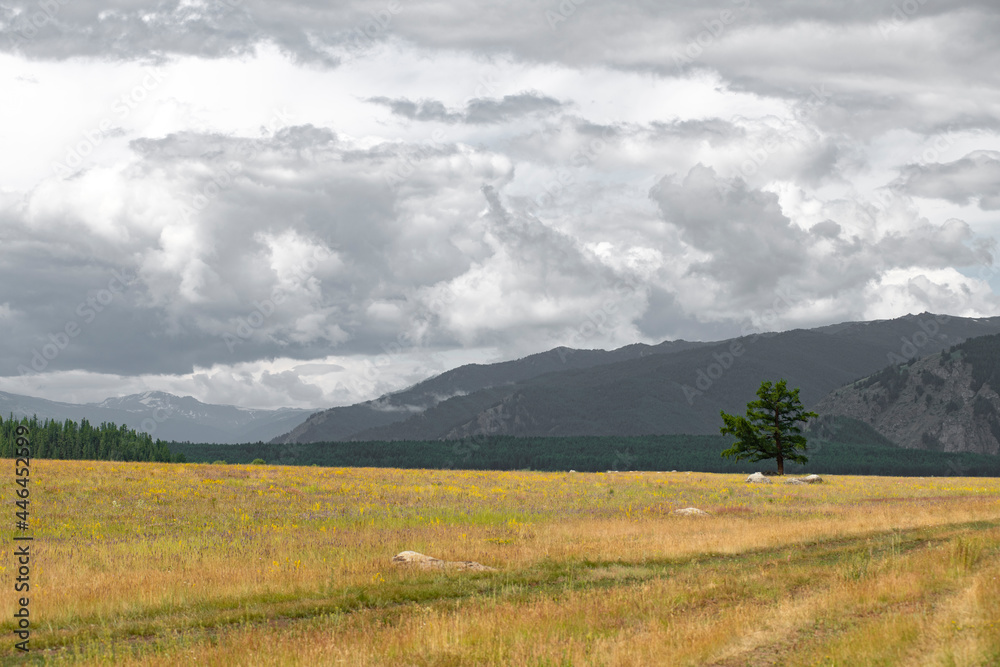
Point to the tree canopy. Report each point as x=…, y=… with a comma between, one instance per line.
x=770, y=429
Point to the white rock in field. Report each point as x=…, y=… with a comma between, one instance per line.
x=758, y=478
x=691, y=511
x=808, y=479
x=572, y=471
x=431, y=563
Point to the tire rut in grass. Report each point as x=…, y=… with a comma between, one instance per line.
x=817, y=631
x=546, y=578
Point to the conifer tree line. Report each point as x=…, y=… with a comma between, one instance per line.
x=52, y=439
x=843, y=447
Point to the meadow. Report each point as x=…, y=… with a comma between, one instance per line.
x=166, y=564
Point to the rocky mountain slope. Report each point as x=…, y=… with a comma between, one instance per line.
x=945, y=402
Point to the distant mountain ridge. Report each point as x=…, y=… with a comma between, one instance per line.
x=670, y=388
x=345, y=423
x=165, y=416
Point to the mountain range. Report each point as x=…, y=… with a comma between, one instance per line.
x=165, y=416
x=852, y=370
x=677, y=387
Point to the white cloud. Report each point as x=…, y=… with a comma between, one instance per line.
x=940, y=291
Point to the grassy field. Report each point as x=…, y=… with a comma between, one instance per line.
x=166, y=564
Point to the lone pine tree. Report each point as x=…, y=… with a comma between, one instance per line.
x=769, y=431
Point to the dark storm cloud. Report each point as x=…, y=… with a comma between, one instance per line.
x=427, y=110
x=975, y=177
x=480, y=111
x=828, y=229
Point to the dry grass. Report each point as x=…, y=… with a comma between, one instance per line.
x=170, y=564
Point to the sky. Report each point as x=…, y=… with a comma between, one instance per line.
x=310, y=204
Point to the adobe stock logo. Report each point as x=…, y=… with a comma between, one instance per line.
x=901, y=14
x=93, y=138
x=27, y=29
x=376, y=23
x=566, y=9
x=263, y=310
x=706, y=377
x=910, y=346
x=714, y=29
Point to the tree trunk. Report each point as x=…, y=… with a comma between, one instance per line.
x=777, y=445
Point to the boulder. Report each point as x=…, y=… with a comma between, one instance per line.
x=808, y=479
x=419, y=560
x=758, y=478
x=691, y=511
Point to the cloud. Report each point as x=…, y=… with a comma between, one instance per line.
x=318, y=369
x=975, y=177
x=747, y=43
x=479, y=111
x=484, y=111
x=426, y=110
x=911, y=291
x=121, y=30
x=751, y=243
x=740, y=249
x=827, y=229
x=243, y=248
x=539, y=286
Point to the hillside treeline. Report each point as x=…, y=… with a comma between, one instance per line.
x=68, y=440
x=595, y=453
x=983, y=354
